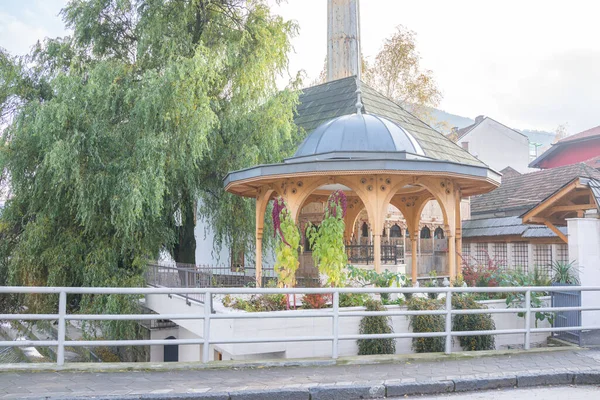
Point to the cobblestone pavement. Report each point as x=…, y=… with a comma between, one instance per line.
x=24, y=385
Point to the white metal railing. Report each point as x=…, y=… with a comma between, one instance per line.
x=334, y=313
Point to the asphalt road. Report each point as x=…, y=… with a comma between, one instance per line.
x=544, y=393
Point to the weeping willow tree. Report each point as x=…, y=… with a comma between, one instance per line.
x=117, y=138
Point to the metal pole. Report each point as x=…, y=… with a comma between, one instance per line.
x=448, y=349
x=62, y=311
x=528, y=319
x=336, y=315
x=186, y=283
x=207, y=313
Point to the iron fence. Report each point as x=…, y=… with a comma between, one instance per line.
x=363, y=253
x=208, y=338
x=206, y=276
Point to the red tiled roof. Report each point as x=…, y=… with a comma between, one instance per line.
x=593, y=162
x=593, y=132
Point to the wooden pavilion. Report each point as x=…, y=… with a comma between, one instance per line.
x=377, y=158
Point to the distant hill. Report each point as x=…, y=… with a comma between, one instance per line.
x=451, y=120
x=542, y=138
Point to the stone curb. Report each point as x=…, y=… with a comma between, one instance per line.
x=309, y=362
x=375, y=390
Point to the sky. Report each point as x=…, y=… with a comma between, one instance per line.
x=528, y=64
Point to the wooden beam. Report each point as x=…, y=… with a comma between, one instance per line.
x=541, y=207
x=557, y=231
x=574, y=207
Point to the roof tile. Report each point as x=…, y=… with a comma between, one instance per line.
x=525, y=191
x=319, y=104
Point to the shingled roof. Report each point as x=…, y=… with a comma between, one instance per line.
x=321, y=103
x=506, y=226
x=521, y=193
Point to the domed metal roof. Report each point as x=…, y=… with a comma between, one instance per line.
x=359, y=133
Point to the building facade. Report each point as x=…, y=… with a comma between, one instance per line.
x=581, y=147
x=496, y=144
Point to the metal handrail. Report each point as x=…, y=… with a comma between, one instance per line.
x=335, y=313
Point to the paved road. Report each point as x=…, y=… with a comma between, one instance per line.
x=21, y=385
x=546, y=393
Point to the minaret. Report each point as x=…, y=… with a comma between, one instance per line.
x=343, y=39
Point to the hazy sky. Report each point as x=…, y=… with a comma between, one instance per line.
x=529, y=64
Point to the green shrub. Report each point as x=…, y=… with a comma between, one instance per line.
x=365, y=277
x=565, y=273
x=426, y=323
x=472, y=322
x=375, y=325
x=432, y=283
x=353, y=299
x=257, y=303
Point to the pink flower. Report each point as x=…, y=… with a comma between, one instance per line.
x=278, y=208
x=337, y=199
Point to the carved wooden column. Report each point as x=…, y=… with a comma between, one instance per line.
x=458, y=239
x=377, y=251
x=262, y=199
x=414, y=256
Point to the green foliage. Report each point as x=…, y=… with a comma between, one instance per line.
x=257, y=303
x=472, y=322
x=117, y=138
x=426, y=323
x=287, y=249
x=376, y=324
x=432, y=282
x=327, y=243
x=565, y=273
x=353, y=299
x=366, y=277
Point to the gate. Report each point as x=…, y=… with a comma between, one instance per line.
x=563, y=319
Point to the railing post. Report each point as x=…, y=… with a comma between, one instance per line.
x=207, y=312
x=527, y=319
x=62, y=312
x=448, y=349
x=336, y=327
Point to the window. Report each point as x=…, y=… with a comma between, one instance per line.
x=500, y=253
x=395, y=231
x=439, y=233
x=542, y=258
x=562, y=253
x=466, y=250
x=520, y=256
x=407, y=234
x=365, y=230
x=481, y=253
x=425, y=233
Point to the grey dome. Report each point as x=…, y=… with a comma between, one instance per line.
x=359, y=133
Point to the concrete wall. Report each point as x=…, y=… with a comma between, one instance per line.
x=305, y=326
x=498, y=146
x=207, y=255
x=584, y=251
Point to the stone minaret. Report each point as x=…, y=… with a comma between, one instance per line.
x=343, y=39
